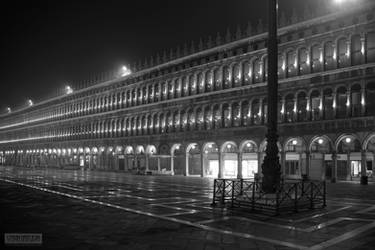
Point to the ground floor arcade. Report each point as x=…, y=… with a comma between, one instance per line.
x=344, y=157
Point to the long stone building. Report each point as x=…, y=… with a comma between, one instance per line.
x=204, y=114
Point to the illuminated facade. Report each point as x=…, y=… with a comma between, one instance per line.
x=204, y=114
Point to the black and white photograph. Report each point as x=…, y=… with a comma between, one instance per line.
x=187, y=125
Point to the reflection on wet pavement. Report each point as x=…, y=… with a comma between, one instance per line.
x=144, y=206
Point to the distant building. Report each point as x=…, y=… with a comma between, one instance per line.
x=204, y=113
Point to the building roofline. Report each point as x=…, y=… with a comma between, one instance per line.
x=224, y=47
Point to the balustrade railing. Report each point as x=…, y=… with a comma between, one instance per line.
x=291, y=195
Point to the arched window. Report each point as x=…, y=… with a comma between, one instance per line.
x=237, y=75
x=176, y=121
x=342, y=48
x=218, y=78
x=139, y=99
x=191, y=120
x=257, y=71
x=139, y=126
x=227, y=116
x=315, y=105
x=177, y=88
x=150, y=97
x=289, y=108
x=245, y=113
x=162, y=123
x=201, y=85
x=304, y=64
x=170, y=90
x=164, y=91
x=329, y=61
x=370, y=48
x=341, y=101
x=156, y=92
x=144, y=125
x=316, y=59
x=265, y=68
x=148, y=124
x=134, y=97
x=265, y=110
x=355, y=50
x=328, y=104
x=200, y=119
x=291, y=63
x=209, y=81
x=370, y=98
x=247, y=72
x=128, y=127
x=355, y=100
x=207, y=118
x=133, y=126
x=236, y=115
x=280, y=110
x=227, y=78
x=169, y=123
x=184, y=120
x=193, y=84
x=281, y=67
x=301, y=107
x=155, y=123
x=255, y=112
x=185, y=86
x=217, y=117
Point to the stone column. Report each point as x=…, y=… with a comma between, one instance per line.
x=221, y=165
x=282, y=160
x=363, y=168
x=203, y=174
x=147, y=162
x=334, y=170
x=239, y=165
x=187, y=164
x=172, y=163
x=308, y=159
x=348, y=168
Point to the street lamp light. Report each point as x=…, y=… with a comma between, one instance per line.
x=68, y=90
x=125, y=71
x=30, y=102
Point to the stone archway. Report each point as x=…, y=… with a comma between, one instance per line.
x=321, y=165
x=178, y=160
x=349, y=158
x=211, y=160
x=193, y=160
x=249, y=159
x=295, y=160
x=229, y=163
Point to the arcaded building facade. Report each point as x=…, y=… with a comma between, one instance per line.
x=204, y=114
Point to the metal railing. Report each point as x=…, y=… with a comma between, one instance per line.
x=291, y=195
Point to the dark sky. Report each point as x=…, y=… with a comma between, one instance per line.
x=46, y=44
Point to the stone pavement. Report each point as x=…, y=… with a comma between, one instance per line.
x=103, y=210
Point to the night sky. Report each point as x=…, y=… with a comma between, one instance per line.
x=47, y=44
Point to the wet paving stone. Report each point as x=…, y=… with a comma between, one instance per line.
x=100, y=210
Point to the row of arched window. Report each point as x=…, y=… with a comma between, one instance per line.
x=300, y=106
x=332, y=54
